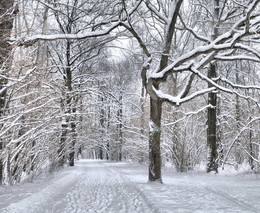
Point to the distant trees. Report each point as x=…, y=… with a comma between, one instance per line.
x=117, y=112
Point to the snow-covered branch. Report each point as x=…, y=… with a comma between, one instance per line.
x=16, y=81
x=156, y=12
x=237, y=57
x=193, y=32
x=28, y=41
x=178, y=100
x=236, y=139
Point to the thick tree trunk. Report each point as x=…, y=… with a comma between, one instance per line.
x=102, y=125
x=73, y=143
x=212, y=126
x=156, y=104
x=69, y=109
x=101, y=153
x=6, y=25
x=238, y=117
x=251, y=151
x=142, y=120
x=154, y=140
x=61, y=150
x=108, y=154
x=212, y=111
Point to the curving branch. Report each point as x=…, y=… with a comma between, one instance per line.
x=225, y=42
x=196, y=35
x=180, y=100
x=156, y=12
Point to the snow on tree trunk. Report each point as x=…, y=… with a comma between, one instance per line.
x=108, y=154
x=142, y=120
x=102, y=126
x=73, y=143
x=120, y=125
x=61, y=150
x=212, y=126
x=156, y=103
x=154, y=140
x=212, y=111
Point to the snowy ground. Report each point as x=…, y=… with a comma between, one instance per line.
x=99, y=186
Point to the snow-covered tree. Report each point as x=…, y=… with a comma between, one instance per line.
x=174, y=44
x=7, y=12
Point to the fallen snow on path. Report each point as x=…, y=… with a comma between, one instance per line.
x=100, y=186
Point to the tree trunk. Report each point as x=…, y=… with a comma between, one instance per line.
x=156, y=104
x=212, y=126
x=120, y=126
x=251, y=152
x=70, y=102
x=73, y=143
x=102, y=125
x=154, y=140
x=142, y=120
x=61, y=150
x=108, y=154
x=212, y=111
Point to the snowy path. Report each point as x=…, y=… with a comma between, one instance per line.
x=94, y=186
x=104, y=187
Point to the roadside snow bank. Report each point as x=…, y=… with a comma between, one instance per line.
x=39, y=199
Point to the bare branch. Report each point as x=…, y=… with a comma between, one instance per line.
x=28, y=41
x=199, y=37
x=178, y=100
x=156, y=12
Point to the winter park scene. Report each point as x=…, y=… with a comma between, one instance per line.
x=129, y=106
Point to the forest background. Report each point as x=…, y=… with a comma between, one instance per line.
x=170, y=81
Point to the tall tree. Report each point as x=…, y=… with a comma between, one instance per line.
x=70, y=60
x=212, y=101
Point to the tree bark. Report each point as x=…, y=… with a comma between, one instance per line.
x=69, y=101
x=154, y=140
x=212, y=111
x=73, y=143
x=142, y=120
x=108, y=155
x=61, y=150
x=102, y=125
x=156, y=103
x=120, y=125
x=212, y=126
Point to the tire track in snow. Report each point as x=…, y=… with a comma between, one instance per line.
x=138, y=194
x=42, y=201
x=103, y=189
x=234, y=200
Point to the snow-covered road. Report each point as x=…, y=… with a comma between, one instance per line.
x=103, y=187
x=94, y=186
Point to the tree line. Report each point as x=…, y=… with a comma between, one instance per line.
x=184, y=88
